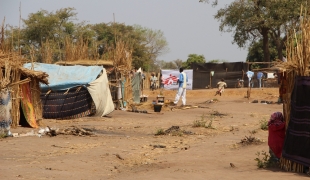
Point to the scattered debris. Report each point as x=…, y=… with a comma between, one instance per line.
x=250, y=140
x=174, y=131
x=266, y=102
x=77, y=131
x=159, y=146
x=232, y=165
x=263, y=102
x=51, y=132
x=185, y=148
x=185, y=107
x=135, y=109
x=210, y=101
x=119, y=157
x=216, y=113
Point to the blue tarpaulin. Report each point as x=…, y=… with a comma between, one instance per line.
x=64, y=77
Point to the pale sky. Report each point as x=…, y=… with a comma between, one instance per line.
x=189, y=26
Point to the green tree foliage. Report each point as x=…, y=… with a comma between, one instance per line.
x=214, y=2
x=161, y=64
x=252, y=20
x=57, y=30
x=170, y=65
x=216, y=61
x=108, y=34
x=147, y=44
x=193, y=58
x=255, y=52
x=43, y=26
x=154, y=43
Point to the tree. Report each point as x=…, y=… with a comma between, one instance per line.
x=55, y=34
x=43, y=26
x=247, y=20
x=251, y=20
x=214, y=2
x=193, y=58
x=154, y=41
x=255, y=51
x=146, y=44
x=178, y=63
x=108, y=33
x=216, y=61
x=286, y=16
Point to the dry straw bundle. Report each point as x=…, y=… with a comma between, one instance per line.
x=77, y=50
x=122, y=61
x=298, y=61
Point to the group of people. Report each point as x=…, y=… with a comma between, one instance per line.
x=154, y=80
x=182, y=81
x=259, y=76
x=221, y=85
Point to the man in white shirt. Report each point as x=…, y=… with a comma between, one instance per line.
x=183, y=79
x=250, y=75
x=153, y=80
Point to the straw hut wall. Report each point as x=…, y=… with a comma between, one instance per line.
x=122, y=62
x=12, y=74
x=298, y=61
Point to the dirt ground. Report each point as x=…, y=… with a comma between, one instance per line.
x=125, y=146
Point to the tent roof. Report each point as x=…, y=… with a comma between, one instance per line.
x=65, y=77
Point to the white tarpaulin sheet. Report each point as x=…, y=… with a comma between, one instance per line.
x=170, y=78
x=101, y=95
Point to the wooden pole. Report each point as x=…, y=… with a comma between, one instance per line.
x=226, y=74
x=210, y=79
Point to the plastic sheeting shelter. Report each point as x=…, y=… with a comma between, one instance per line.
x=73, y=91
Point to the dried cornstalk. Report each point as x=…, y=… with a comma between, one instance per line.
x=298, y=58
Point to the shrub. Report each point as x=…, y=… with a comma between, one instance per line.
x=264, y=124
x=160, y=132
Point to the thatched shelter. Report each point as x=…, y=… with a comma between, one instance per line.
x=104, y=63
x=12, y=77
x=294, y=77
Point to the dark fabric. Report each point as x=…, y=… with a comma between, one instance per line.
x=297, y=141
x=276, y=133
x=61, y=105
x=229, y=71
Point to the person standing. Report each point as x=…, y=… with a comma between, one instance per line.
x=182, y=88
x=221, y=85
x=162, y=81
x=259, y=77
x=153, y=80
x=250, y=76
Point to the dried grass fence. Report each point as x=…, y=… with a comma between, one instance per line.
x=122, y=62
x=12, y=74
x=298, y=61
